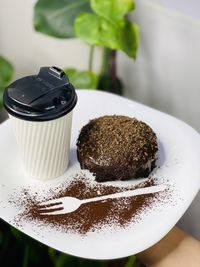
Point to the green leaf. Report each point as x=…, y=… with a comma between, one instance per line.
x=1, y=97
x=16, y=233
x=6, y=71
x=26, y=256
x=131, y=261
x=82, y=79
x=53, y=255
x=64, y=260
x=129, y=37
x=56, y=18
x=112, y=9
x=88, y=27
x=6, y=74
x=96, y=30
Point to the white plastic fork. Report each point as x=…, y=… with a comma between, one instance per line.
x=67, y=204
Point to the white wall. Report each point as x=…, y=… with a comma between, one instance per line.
x=166, y=74
x=191, y=7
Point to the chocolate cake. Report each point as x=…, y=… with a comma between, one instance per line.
x=117, y=148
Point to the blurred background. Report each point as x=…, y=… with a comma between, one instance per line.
x=165, y=74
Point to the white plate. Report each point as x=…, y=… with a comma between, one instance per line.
x=179, y=159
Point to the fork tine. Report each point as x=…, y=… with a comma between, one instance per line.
x=52, y=201
x=49, y=203
x=52, y=212
x=50, y=206
x=48, y=211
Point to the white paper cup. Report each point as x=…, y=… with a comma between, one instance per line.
x=44, y=146
x=40, y=109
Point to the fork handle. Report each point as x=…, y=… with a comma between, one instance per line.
x=129, y=193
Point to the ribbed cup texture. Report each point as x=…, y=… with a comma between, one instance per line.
x=44, y=146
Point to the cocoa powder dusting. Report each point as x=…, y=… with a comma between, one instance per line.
x=93, y=216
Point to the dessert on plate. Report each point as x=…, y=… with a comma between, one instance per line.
x=116, y=147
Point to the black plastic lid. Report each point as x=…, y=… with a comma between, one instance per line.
x=46, y=96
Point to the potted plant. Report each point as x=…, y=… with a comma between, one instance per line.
x=97, y=23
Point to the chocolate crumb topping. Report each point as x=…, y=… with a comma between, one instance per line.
x=117, y=148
